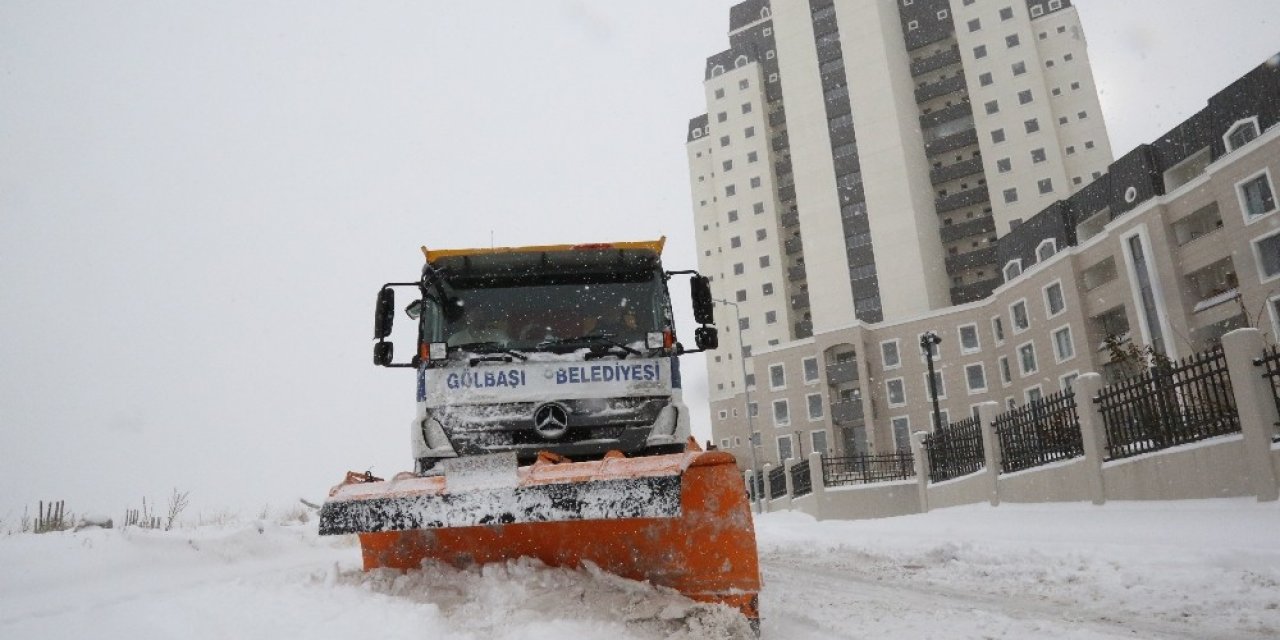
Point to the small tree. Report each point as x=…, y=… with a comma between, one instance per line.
x=178, y=501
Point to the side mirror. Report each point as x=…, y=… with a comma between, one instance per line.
x=382, y=352
x=706, y=338
x=703, y=305
x=384, y=314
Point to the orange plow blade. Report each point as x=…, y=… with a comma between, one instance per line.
x=680, y=521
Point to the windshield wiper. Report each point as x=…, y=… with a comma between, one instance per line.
x=590, y=340
x=488, y=347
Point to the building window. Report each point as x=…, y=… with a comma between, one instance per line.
x=1010, y=196
x=1054, y=5
x=764, y=261
x=767, y=289
x=1274, y=305
x=1012, y=269
x=738, y=269
x=777, y=376
x=814, y=400
x=1257, y=198
x=784, y=442
x=757, y=208
x=974, y=25
x=753, y=156
x=761, y=234
x=1019, y=68
x=727, y=165
x=997, y=329
x=943, y=15
x=1021, y=321
x=1088, y=144
x=719, y=93
x=1267, y=250
x=1046, y=249
x=1032, y=125
x=818, y=440
x=1011, y=41
x=810, y=366
x=741, y=295
x=1241, y=134
x=902, y=433
x=997, y=136
x=730, y=190
x=735, y=242
x=722, y=116
x=969, y=342
x=1038, y=156
x=1045, y=185
x=1063, y=349
x=732, y=215
x=1071, y=150
x=1068, y=57
x=992, y=106
x=1037, y=10
x=1024, y=96
x=1004, y=165
x=976, y=377
x=723, y=414
x=985, y=79
x=749, y=132
x=1027, y=359
x=1034, y=394
x=755, y=182
x=770, y=317
x=724, y=141
x=743, y=83
x=1006, y=13
x=889, y=354
x=913, y=25
x=1054, y=302
x=746, y=107
x=895, y=392
x=980, y=51
x=1006, y=376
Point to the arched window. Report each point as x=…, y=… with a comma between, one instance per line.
x=1012, y=269
x=741, y=61
x=765, y=13
x=1241, y=133
x=1046, y=249
x=716, y=70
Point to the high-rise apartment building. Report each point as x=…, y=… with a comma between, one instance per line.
x=859, y=160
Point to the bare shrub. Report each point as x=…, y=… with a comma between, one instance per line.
x=178, y=501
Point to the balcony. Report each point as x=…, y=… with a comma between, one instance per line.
x=963, y=262
x=782, y=167
x=790, y=219
x=800, y=301
x=936, y=61
x=940, y=88
x=968, y=198
x=955, y=171
x=796, y=273
x=804, y=329
x=953, y=232
x=842, y=372
x=780, y=141
x=945, y=114
x=792, y=246
x=952, y=142
x=778, y=117
x=787, y=193
x=847, y=413
x=973, y=292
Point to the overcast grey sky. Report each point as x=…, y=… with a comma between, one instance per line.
x=198, y=202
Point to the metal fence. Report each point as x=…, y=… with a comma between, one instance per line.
x=756, y=486
x=777, y=482
x=1169, y=405
x=1270, y=363
x=863, y=469
x=1039, y=432
x=955, y=450
x=801, y=483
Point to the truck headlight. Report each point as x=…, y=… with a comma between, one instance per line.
x=655, y=340
x=438, y=351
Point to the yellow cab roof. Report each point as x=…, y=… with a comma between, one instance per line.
x=653, y=245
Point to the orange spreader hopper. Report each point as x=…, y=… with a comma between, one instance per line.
x=680, y=521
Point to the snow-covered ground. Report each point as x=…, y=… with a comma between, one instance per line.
x=1196, y=569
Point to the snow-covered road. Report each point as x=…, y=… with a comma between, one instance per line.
x=1205, y=569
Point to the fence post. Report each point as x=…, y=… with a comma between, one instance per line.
x=921, y=456
x=816, y=481
x=1093, y=431
x=752, y=501
x=767, y=504
x=786, y=475
x=1257, y=410
x=987, y=412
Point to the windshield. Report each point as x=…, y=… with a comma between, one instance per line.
x=545, y=316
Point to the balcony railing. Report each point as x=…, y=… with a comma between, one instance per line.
x=967, y=198
x=973, y=292
x=846, y=413
x=804, y=329
x=965, y=261
x=945, y=114
x=952, y=142
x=940, y=88
x=955, y=171
x=936, y=61
x=796, y=273
x=800, y=301
x=790, y=219
x=968, y=228
x=792, y=246
x=842, y=372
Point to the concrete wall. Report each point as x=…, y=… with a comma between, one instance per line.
x=881, y=500
x=1065, y=481
x=1212, y=469
x=969, y=489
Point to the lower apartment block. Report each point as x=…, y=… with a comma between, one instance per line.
x=1176, y=245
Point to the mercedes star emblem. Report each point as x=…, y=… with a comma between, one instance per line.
x=551, y=420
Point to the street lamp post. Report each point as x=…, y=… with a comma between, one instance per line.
x=758, y=482
x=928, y=342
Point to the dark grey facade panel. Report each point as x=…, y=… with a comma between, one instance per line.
x=697, y=128
x=745, y=13
x=1021, y=242
x=1046, y=7
x=932, y=22
x=1135, y=178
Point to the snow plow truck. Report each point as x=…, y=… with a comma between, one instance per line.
x=550, y=424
